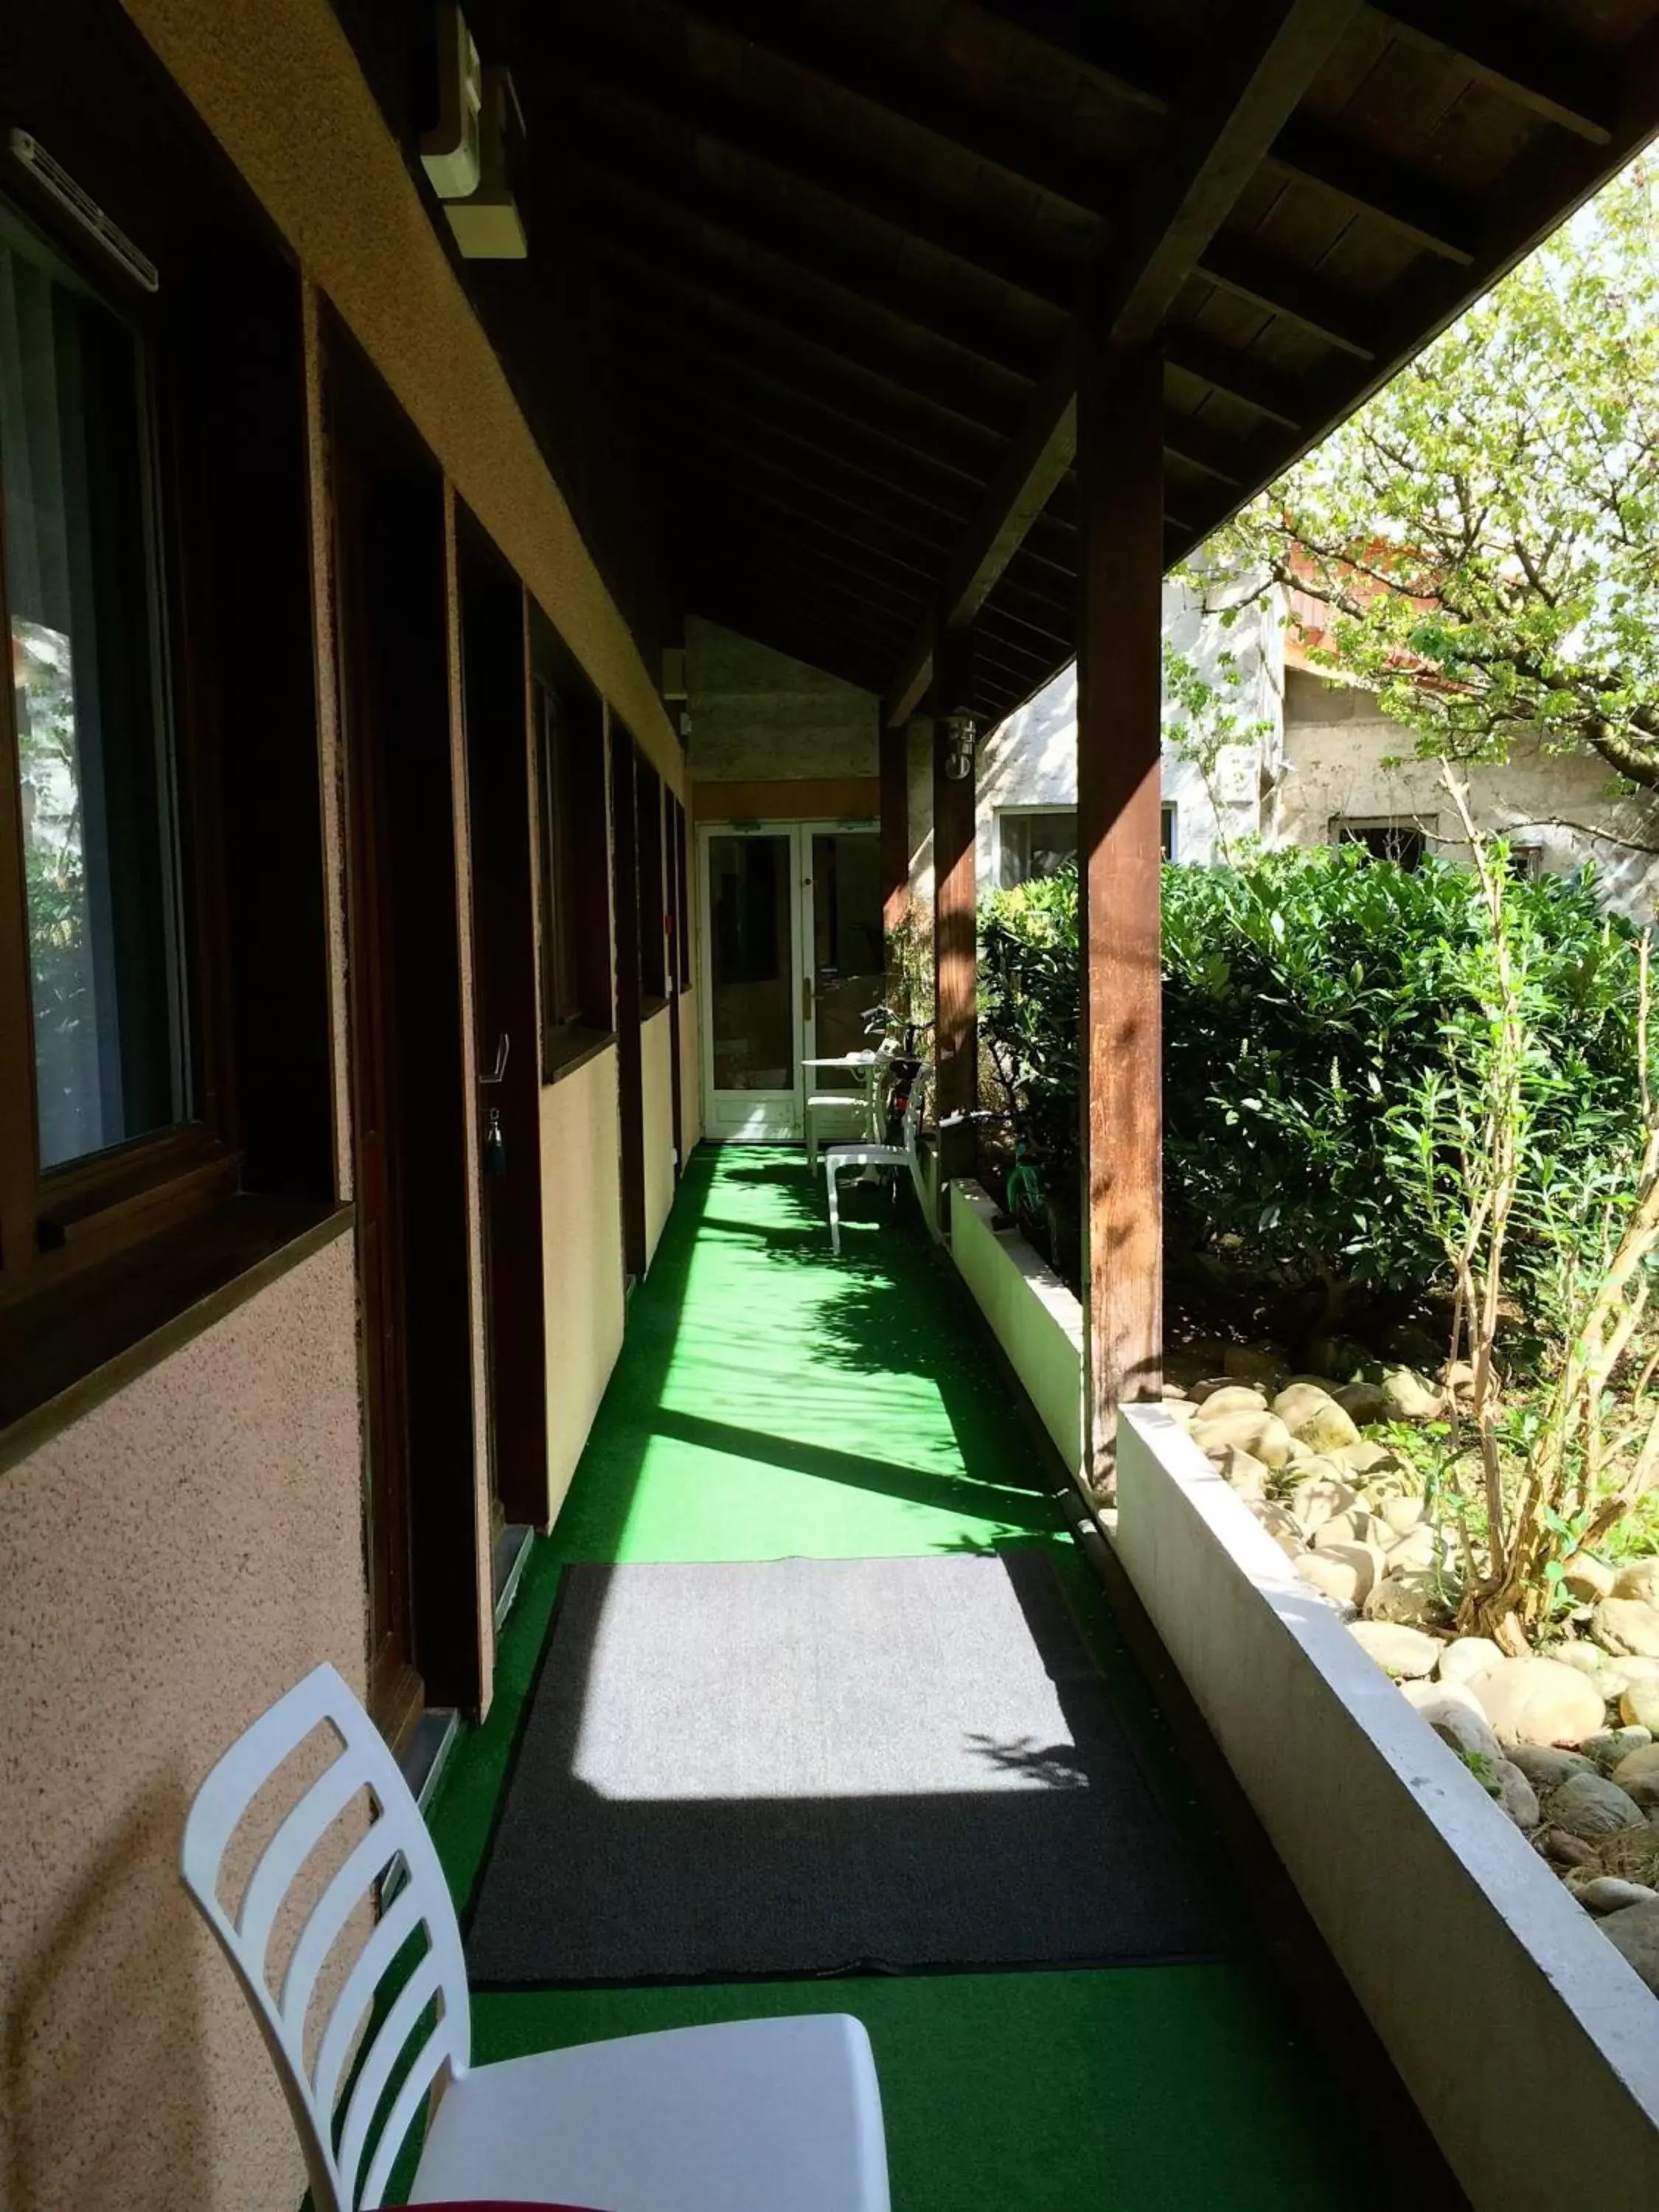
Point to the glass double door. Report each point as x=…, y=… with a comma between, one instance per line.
x=791, y=965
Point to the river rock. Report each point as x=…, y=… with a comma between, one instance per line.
x=1261, y=1433
x=1635, y=1932
x=1590, y=1806
x=1547, y=1767
x=1232, y=1398
x=1637, y=1768
x=1414, y=1599
x=1320, y=1498
x=1397, y=1650
x=1182, y=1410
x=1279, y=1525
x=1408, y=1397
x=1613, y=1746
x=1457, y=1376
x=1354, y=1525
x=1589, y=1578
x=1402, y=1514
x=1516, y=1795
x=1326, y=1428
x=1413, y=1553
x=1206, y=1385
x=1458, y=1721
x=1638, y=1580
x=1466, y=1656
x=1605, y=1893
x=1363, y=1402
x=1300, y=1396
x=1538, y=1701
x=1345, y=1575
x=1627, y=1624
x=1638, y=1703
x=1562, y=1851
x=1242, y=1470
x=1369, y=1457
x=1588, y=1658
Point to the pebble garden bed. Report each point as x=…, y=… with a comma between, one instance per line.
x=1564, y=1741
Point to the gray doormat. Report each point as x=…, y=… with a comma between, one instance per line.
x=811, y=1766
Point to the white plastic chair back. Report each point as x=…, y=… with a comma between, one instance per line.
x=339, y=2182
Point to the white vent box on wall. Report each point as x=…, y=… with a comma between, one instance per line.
x=451, y=152
x=486, y=223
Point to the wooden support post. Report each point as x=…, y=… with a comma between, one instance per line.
x=956, y=954
x=895, y=827
x=1120, y=521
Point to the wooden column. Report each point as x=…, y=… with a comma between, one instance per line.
x=895, y=826
x=956, y=1028
x=1121, y=532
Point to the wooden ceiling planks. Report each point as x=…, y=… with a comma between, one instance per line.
x=843, y=244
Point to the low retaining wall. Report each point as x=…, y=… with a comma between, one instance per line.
x=1529, y=2046
x=1032, y=1315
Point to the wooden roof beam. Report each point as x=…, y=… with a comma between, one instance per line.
x=1422, y=209
x=1521, y=56
x=619, y=70
x=1407, y=199
x=1283, y=288
x=1222, y=135
x=1540, y=189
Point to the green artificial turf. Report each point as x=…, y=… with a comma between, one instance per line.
x=1152, y=2090
x=771, y=1402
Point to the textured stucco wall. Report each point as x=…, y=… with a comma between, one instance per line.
x=656, y=1086
x=168, y=1565
x=1343, y=756
x=1031, y=760
x=757, y=716
x=690, y=1071
x=276, y=83
x=581, y=1237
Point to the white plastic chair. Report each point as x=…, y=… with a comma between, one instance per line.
x=863, y=1106
x=906, y=1154
x=751, y=2116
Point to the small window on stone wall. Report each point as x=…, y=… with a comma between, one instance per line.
x=1032, y=842
x=1402, y=839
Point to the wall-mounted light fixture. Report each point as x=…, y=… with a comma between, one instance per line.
x=961, y=734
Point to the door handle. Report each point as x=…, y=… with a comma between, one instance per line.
x=502, y=1046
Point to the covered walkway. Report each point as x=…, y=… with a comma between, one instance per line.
x=771, y=1404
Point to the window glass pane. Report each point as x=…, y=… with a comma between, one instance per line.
x=1036, y=844
x=1402, y=842
x=96, y=805
x=751, y=886
x=846, y=953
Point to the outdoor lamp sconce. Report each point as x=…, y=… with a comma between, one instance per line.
x=961, y=743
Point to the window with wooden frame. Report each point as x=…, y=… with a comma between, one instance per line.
x=94, y=987
x=654, y=907
x=577, y=1007
x=682, y=900
x=166, y=1090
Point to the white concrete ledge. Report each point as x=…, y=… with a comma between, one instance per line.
x=1530, y=2046
x=1032, y=1315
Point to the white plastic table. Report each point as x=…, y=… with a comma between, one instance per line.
x=867, y=1103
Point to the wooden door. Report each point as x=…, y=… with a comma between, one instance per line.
x=395, y=1690
x=625, y=894
x=495, y=695
x=410, y=1103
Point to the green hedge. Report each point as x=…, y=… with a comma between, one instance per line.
x=1307, y=996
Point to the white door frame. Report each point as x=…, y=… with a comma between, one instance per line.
x=764, y=1116
x=772, y=1117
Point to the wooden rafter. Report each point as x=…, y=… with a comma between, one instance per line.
x=1233, y=121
